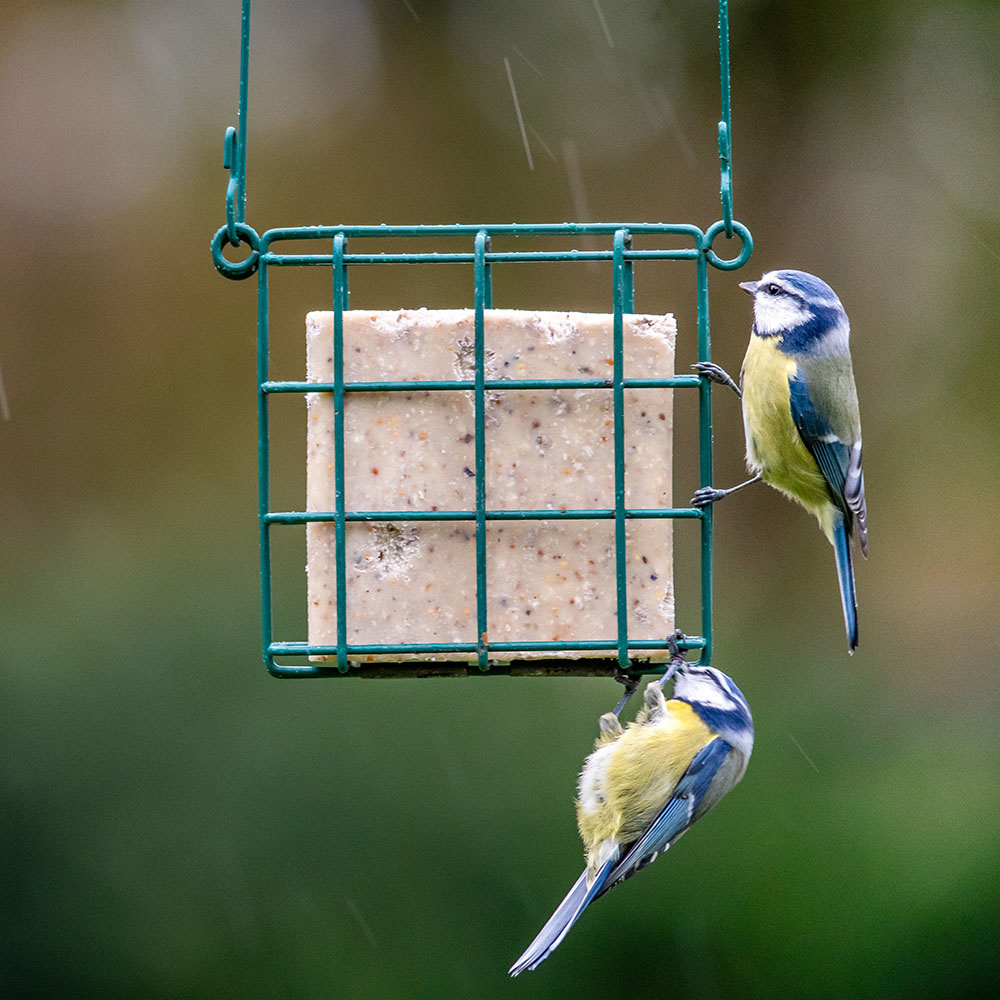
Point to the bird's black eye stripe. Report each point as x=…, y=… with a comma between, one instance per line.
x=719, y=681
x=728, y=688
x=723, y=684
x=774, y=289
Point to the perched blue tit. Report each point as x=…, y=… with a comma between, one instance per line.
x=800, y=412
x=643, y=786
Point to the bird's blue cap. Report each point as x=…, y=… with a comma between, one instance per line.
x=802, y=283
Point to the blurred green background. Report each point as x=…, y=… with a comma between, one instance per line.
x=177, y=823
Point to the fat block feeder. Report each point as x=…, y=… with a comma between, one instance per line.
x=549, y=422
x=488, y=490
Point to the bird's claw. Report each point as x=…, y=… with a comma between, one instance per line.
x=677, y=660
x=630, y=683
x=653, y=697
x=673, y=644
x=653, y=704
x=610, y=725
x=718, y=375
x=706, y=496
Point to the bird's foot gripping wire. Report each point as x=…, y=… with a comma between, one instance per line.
x=610, y=726
x=677, y=660
x=707, y=495
x=653, y=704
x=630, y=683
x=718, y=375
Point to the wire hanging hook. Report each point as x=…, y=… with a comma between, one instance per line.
x=234, y=159
x=230, y=158
x=726, y=125
x=726, y=178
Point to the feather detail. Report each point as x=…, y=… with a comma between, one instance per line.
x=567, y=913
x=854, y=494
x=845, y=576
x=677, y=815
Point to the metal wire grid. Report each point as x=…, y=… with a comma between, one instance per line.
x=489, y=657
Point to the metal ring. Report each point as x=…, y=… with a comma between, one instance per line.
x=746, y=248
x=243, y=268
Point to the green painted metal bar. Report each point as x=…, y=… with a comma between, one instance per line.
x=724, y=61
x=705, y=458
x=597, y=666
x=234, y=157
x=241, y=148
x=340, y=532
x=588, y=514
x=453, y=385
x=620, y=284
x=245, y=234
x=392, y=649
x=628, y=276
x=539, y=666
x=725, y=126
x=469, y=231
x=481, y=293
x=513, y=257
x=264, y=466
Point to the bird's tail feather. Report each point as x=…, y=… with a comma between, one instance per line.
x=567, y=913
x=845, y=575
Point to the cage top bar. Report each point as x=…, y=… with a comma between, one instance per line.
x=236, y=231
x=260, y=251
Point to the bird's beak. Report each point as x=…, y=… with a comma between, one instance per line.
x=749, y=286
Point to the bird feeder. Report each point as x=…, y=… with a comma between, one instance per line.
x=488, y=490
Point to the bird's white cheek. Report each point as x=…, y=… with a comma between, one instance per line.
x=776, y=314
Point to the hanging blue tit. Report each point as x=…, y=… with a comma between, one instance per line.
x=643, y=786
x=800, y=412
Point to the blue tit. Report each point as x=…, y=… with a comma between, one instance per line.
x=644, y=785
x=800, y=412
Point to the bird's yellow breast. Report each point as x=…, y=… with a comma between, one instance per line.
x=774, y=446
x=634, y=776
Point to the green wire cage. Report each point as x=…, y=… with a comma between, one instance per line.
x=683, y=242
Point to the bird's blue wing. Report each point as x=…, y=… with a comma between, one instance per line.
x=676, y=815
x=567, y=913
x=833, y=456
x=840, y=463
